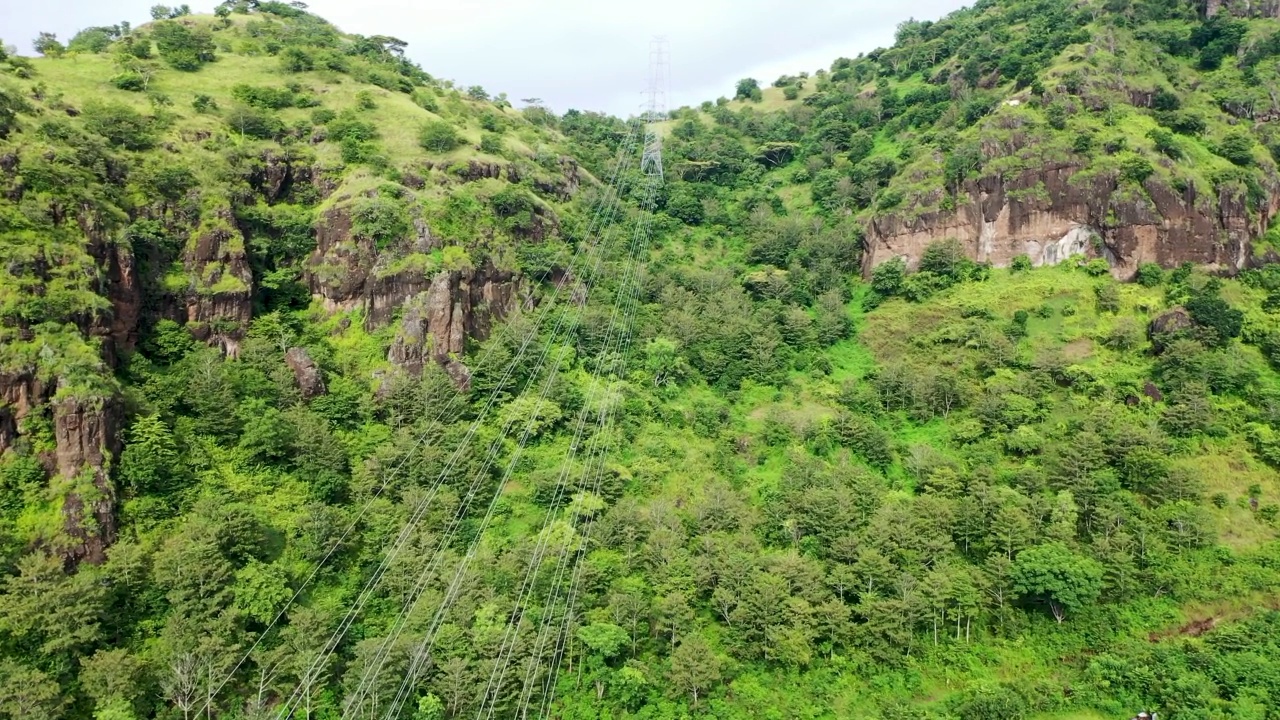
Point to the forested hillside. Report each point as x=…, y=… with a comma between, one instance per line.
x=938, y=384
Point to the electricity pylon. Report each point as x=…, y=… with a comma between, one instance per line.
x=656, y=107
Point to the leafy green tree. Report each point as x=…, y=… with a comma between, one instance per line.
x=1149, y=275
x=748, y=89
x=695, y=668
x=1215, y=315
x=1053, y=574
x=47, y=611
x=47, y=44
x=150, y=462
x=183, y=48
x=604, y=641
x=438, y=136
x=29, y=694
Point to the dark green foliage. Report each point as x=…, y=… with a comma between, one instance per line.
x=1165, y=143
x=120, y=124
x=181, y=47
x=264, y=98
x=1238, y=148
x=1135, y=168
x=204, y=104
x=1216, y=316
x=129, y=80
x=1149, y=275
x=295, y=59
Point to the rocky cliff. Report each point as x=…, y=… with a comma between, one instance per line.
x=1051, y=214
x=1243, y=8
x=87, y=436
x=459, y=305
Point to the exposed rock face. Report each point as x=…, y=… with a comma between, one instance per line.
x=458, y=305
x=86, y=434
x=441, y=310
x=306, y=372
x=1050, y=216
x=1244, y=8
x=219, y=306
x=8, y=429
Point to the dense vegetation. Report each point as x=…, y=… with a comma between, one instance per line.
x=957, y=491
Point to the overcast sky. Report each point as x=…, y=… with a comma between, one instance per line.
x=586, y=54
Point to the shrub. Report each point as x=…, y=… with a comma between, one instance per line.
x=1135, y=168
x=348, y=128
x=365, y=101
x=426, y=100
x=266, y=98
x=203, y=104
x=748, y=89
x=1149, y=275
x=791, y=92
x=1165, y=143
x=1108, y=297
x=439, y=136
x=254, y=123
x=1021, y=263
x=1096, y=267
x=381, y=219
x=491, y=143
x=455, y=257
x=129, y=80
x=323, y=116
x=295, y=59
x=1237, y=147
x=121, y=125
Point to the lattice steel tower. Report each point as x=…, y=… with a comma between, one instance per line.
x=656, y=107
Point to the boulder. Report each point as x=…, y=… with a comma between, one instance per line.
x=306, y=372
x=1169, y=324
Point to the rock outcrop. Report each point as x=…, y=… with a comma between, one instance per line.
x=1244, y=8
x=459, y=305
x=1050, y=214
x=1172, y=323
x=87, y=440
x=442, y=309
x=219, y=303
x=306, y=372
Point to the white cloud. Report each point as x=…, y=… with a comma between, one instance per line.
x=589, y=54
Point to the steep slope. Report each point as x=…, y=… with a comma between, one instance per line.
x=205, y=170
x=290, y=390
x=1135, y=131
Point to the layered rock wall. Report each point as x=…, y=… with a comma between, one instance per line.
x=1056, y=212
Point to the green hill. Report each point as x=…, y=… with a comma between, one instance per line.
x=941, y=383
